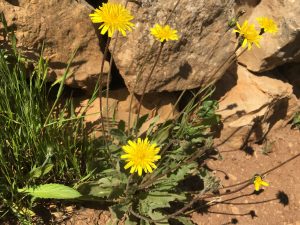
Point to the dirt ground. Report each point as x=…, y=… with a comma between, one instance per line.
x=278, y=204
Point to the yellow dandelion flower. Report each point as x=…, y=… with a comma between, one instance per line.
x=258, y=181
x=113, y=17
x=267, y=25
x=164, y=33
x=249, y=34
x=140, y=155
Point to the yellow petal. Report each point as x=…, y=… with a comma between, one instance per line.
x=145, y=169
x=140, y=170
x=157, y=157
x=244, y=43
x=149, y=168
x=132, y=170
x=127, y=149
x=104, y=29
x=249, y=46
x=264, y=183
x=129, y=164
x=125, y=156
x=257, y=185
x=153, y=165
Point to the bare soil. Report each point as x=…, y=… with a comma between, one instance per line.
x=278, y=204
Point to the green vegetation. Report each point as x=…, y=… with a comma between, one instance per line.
x=41, y=140
x=296, y=120
x=44, y=149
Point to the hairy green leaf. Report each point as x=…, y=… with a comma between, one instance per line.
x=54, y=191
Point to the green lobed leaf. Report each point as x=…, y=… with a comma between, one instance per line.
x=157, y=199
x=52, y=191
x=117, y=211
x=122, y=125
x=119, y=135
x=155, y=215
x=171, y=182
x=104, y=187
x=162, y=134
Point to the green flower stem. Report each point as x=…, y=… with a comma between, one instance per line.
x=128, y=184
x=229, y=60
x=135, y=85
x=148, y=80
x=176, y=103
x=100, y=84
x=109, y=75
x=108, y=79
x=143, y=64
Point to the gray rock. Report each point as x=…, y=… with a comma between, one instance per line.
x=192, y=61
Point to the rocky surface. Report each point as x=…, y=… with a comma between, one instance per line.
x=252, y=105
x=204, y=44
x=154, y=104
x=62, y=26
x=276, y=49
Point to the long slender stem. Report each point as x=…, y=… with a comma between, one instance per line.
x=135, y=85
x=176, y=103
x=108, y=80
x=109, y=76
x=128, y=184
x=107, y=95
x=100, y=84
x=148, y=80
x=142, y=67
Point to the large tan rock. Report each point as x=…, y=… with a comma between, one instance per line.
x=63, y=26
x=204, y=44
x=253, y=106
x=280, y=48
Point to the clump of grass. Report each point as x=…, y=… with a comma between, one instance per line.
x=41, y=141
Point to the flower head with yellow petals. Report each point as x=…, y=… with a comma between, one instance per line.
x=164, y=33
x=249, y=34
x=258, y=181
x=267, y=25
x=140, y=155
x=113, y=17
